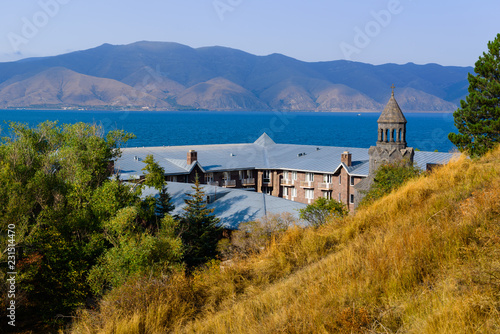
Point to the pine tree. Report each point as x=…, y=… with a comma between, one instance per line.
x=200, y=231
x=155, y=178
x=478, y=119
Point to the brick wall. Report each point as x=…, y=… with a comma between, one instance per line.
x=276, y=187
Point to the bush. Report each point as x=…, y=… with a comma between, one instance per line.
x=252, y=237
x=389, y=177
x=321, y=210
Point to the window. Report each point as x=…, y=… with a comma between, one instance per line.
x=294, y=175
x=327, y=194
x=285, y=191
x=227, y=176
x=241, y=174
x=327, y=178
x=340, y=179
x=352, y=180
x=209, y=177
x=340, y=197
x=309, y=177
x=249, y=174
x=267, y=176
x=352, y=199
x=294, y=192
x=285, y=175
x=174, y=178
x=309, y=194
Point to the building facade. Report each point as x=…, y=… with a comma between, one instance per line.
x=299, y=173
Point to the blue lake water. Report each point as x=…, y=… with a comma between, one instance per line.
x=425, y=131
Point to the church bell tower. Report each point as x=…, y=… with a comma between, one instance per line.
x=391, y=143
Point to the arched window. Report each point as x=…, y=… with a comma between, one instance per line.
x=392, y=135
x=399, y=136
x=386, y=135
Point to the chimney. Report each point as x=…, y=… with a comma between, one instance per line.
x=192, y=156
x=346, y=158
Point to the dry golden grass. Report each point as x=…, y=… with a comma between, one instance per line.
x=425, y=259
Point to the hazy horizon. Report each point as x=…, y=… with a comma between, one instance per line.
x=449, y=33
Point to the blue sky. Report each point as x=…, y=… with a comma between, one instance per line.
x=448, y=32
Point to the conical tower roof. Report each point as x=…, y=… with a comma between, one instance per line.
x=392, y=112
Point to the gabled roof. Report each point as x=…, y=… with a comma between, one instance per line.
x=184, y=165
x=392, y=112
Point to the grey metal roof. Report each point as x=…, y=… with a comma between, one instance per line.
x=422, y=158
x=262, y=154
x=232, y=206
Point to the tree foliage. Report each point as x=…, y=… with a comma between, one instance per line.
x=71, y=214
x=50, y=176
x=199, y=229
x=478, y=118
x=142, y=236
x=135, y=252
x=389, y=177
x=321, y=210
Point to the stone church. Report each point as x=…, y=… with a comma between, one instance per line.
x=391, y=144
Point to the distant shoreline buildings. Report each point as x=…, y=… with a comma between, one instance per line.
x=300, y=173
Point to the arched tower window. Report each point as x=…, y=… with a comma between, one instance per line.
x=399, y=135
x=386, y=135
x=392, y=135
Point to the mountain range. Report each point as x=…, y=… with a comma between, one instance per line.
x=172, y=76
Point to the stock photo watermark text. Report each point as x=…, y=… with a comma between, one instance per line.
x=364, y=36
x=11, y=274
x=223, y=6
x=31, y=25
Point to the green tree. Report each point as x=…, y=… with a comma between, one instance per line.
x=321, y=210
x=389, y=177
x=478, y=118
x=79, y=229
x=142, y=235
x=154, y=208
x=136, y=251
x=199, y=229
x=51, y=179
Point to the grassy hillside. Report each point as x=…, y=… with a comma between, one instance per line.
x=425, y=259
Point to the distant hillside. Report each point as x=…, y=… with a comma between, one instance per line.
x=171, y=76
x=424, y=259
